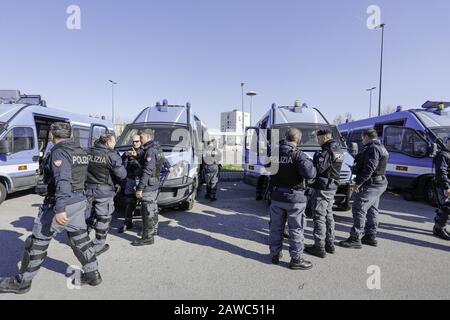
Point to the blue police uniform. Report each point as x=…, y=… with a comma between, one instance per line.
x=442, y=178
x=149, y=185
x=65, y=173
x=134, y=171
x=328, y=163
x=370, y=168
x=105, y=170
x=289, y=199
x=211, y=171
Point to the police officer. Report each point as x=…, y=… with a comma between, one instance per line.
x=370, y=184
x=147, y=189
x=211, y=169
x=289, y=200
x=442, y=165
x=105, y=169
x=328, y=163
x=63, y=209
x=132, y=162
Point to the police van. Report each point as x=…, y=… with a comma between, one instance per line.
x=272, y=128
x=181, y=136
x=412, y=137
x=24, y=129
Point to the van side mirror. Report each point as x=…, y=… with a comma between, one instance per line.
x=432, y=150
x=4, y=147
x=353, y=149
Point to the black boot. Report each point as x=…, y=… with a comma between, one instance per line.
x=351, y=243
x=369, y=241
x=329, y=248
x=300, y=264
x=441, y=233
x=90, y=278
x=14, y=285
x=127, y=226
x=316, y=251
x=276, y=258
x=147, y=233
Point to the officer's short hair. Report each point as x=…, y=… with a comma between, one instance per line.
x=149, y=133
x=371, y=134
x=61, y=130
x=293, y=135
x=105, y=138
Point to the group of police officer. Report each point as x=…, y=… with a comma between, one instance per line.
x=299, y=178
x=79, y=189
x=80, y=186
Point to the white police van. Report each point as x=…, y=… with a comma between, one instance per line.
x=273, y=127
x=24, y=128
x=181, y=136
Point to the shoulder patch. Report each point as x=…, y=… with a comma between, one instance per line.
x=57, y=163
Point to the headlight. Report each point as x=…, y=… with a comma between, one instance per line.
x=179, y=170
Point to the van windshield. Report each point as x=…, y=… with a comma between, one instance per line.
x=169, y=137
x=309, y=133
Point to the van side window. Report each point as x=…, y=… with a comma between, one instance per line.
x=405, y=140
x=355, y=137
x=97, y=131
x=20, y=139
x=81, y=136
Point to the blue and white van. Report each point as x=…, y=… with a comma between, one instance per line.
x=181, y=136
x=278, y=120
x=24, y=127
x=412, y=137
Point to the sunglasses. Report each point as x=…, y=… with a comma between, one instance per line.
x=137, y=141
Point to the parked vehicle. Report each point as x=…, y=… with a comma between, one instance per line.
x=181, y=136
x=24, y=127
x=412, y=137
x=278, y=120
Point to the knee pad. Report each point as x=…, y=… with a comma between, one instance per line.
x=81, y=246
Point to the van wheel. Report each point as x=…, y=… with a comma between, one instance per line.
x=408, y=196
x=430, y=194
x=188, y=204
x=3, y=192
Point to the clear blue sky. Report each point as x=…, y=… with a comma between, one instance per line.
x=320, y=52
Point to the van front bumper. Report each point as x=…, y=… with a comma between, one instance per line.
x=175, y=191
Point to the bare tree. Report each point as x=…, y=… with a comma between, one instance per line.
x=387, y=110
x=338, y=120
x=348, y=117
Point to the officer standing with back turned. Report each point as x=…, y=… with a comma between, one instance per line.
x=104, y=171
x=328, y=163
x=64, y=208
x=289, y=200
x=370, y=184
x=442, y=165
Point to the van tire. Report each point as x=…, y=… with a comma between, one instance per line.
x=189, y=203
x=3, y=192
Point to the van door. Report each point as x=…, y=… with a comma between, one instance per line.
x=20, y=162
x=409, y=156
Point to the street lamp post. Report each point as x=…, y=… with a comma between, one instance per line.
x=370, y=105
x=381, y=26
x=251, y=94
x=113, y=83
x=243, y=115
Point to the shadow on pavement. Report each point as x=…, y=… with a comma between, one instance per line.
x=12, y=248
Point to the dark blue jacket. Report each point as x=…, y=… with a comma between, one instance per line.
x=370, y=162
x=149, y=179
x=442, y=165
x=60, y=176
